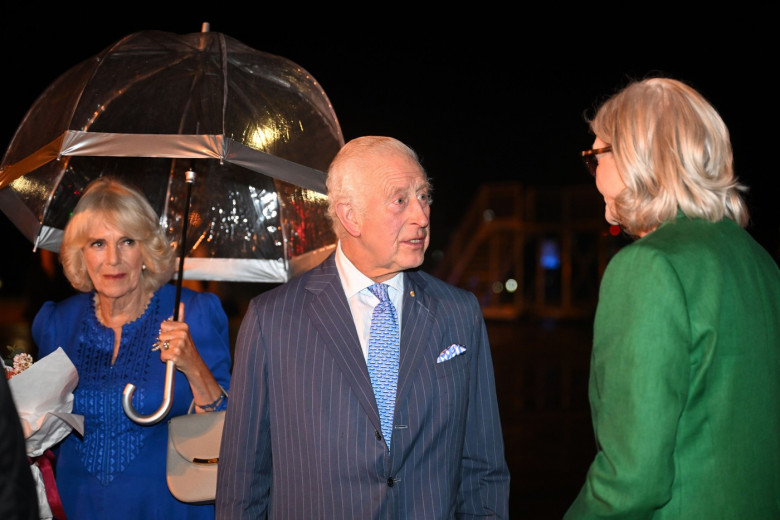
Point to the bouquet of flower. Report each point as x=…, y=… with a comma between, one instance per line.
x=21, y=362
x=43, y=395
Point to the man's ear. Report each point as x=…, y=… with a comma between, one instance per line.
x=348, y=216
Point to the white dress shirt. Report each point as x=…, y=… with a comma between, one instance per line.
x=361, y=300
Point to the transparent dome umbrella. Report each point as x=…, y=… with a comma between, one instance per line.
x=257, y=130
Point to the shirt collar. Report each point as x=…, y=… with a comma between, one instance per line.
x=353, y=281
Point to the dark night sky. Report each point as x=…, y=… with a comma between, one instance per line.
x=482, y=97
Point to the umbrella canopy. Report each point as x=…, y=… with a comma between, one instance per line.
x=257, y=129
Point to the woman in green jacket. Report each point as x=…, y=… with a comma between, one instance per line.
x=685, y=369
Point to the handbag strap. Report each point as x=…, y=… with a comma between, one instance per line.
x=222, y=395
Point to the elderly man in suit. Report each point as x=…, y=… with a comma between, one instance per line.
x=304, y=437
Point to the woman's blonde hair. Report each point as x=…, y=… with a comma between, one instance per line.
x=123, y=206
x=673, y=151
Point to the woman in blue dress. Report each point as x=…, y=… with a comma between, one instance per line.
x=117, y=330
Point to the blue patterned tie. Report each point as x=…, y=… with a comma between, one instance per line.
x=383, y=354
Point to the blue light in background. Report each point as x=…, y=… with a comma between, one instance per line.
x=551, y=254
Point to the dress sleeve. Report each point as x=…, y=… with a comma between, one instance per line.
x=638, y=387
x=210, y=332
x=44, y=329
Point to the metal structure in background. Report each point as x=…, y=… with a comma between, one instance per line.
x=257, y=128
x=531, y=250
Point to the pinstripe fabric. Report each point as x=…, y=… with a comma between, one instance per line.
x=301, y=434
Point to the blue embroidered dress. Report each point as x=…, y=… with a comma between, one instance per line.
x=117, y=470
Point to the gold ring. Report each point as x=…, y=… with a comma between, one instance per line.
x=165, y=345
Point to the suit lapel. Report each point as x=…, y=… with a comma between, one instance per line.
x=417, y=324
x=330, y=315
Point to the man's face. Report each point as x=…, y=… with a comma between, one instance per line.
x=395, y=221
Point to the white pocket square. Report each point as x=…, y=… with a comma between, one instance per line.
x=450, y=352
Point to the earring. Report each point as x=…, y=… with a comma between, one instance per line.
x=143, y=267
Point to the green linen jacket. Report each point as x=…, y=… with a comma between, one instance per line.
x=685, y=379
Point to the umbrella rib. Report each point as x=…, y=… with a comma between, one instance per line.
x=223, y=56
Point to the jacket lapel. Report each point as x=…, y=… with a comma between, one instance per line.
x=417, y=324
x=330, y=315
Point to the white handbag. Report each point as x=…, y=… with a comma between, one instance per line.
x=193, y=455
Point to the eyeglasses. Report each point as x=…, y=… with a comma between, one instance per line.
x=591, y=158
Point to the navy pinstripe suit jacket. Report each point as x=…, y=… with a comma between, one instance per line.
x=301, y=434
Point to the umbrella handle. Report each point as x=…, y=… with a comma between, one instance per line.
x=170, y=368
x=165, y=407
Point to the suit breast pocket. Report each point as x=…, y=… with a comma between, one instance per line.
x=452, y=386
x=452, y=367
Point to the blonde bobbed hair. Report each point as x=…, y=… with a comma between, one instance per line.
x=126, y=208
x=672, y=151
